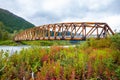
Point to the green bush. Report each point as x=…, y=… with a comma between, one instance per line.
x=101, y=43
x=116, y=41
x=8, y=42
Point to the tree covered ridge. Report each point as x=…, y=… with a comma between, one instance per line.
x=13, y=22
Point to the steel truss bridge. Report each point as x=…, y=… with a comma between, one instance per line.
x=66, y=31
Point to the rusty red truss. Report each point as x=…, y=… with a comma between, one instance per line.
x=66, y=31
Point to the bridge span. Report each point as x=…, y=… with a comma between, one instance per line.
x=66, y=31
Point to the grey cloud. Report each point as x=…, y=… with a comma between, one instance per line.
x=114, y=7
x=34, y=12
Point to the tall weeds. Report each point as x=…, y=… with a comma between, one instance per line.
x=92, y=60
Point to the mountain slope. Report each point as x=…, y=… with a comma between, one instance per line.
x=13, y=22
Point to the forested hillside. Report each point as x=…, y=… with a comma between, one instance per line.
x=12, y=22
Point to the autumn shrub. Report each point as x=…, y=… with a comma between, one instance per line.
x=50, y=71
x=92, y=60
x=3, y=62
x=115, y=45
x=101, y=65
x=80, y=65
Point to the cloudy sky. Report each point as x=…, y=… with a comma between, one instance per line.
x=41, y=12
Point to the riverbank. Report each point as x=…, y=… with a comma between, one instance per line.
x=39, y=43
x=8, y=43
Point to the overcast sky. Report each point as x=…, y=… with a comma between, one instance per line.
x=41, y=12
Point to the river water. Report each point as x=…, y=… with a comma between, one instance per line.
x=13, y=49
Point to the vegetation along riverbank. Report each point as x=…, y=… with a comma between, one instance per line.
x=92, y=60
x=39, y=43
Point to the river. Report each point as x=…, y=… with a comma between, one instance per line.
x=13, y=49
